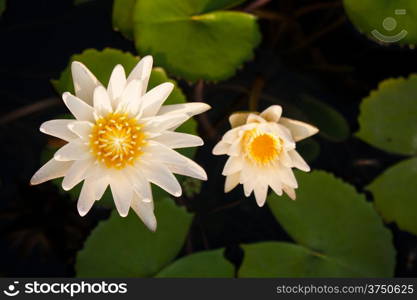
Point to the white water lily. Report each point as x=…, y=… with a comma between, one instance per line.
x=122, y=137
x=262, y=152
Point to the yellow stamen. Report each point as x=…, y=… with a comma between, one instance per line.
x=261, y=148
x=112, y=138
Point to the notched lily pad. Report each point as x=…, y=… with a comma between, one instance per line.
x=134, y=251
x=384, y=21
x=395, y=194
x=388, y=116
x=338, y=234
x=195, y=39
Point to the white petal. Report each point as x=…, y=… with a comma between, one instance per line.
x=80, y=109
x=287, y=176
x=76, y=173
x=145, y=212
x=142, y=72
x=176, y=162
x=285, y=159
x=238, y=119
x=81, y=128
x=254, y=118
x=290, y=192
x=116, y=84
x=299, y=130
x=231, y=182
x=102, y=104
x=233, y=165
x=51, y=170
x=177, y=140
x=162, y=123
x=141, y=185
x=87, y=197
x=74, y=150
x=221, y=148
x=261, y=190
x=190, y=109
x=122, y=193
x=100, y=187
x=298, y=161
x=159, y=174
x=130, y=100
x=275, y=183
x=59, y=129
x=272, y=113
x=153, y=99
x=84, y=82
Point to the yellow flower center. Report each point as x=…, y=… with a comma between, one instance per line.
x=116, y=140
x=261, y=148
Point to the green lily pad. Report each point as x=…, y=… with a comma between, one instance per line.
x=388, y=118
x=195, y=39
x=123, y=17
x=385, y=21
x=395, y=195
x=124, y=247
x=206, y=264
x=331, y=123
x=338, y=234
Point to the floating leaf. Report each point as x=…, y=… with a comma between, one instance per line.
x=385, y=21
x=338, y=233
x=395, y=194
x=331, y=123
x=388, y=118
x=123, y=17
x=206, y=264
x=124, y=247
x=195, y=39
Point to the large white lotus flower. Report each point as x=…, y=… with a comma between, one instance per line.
x=122, y=137
x=262, y=153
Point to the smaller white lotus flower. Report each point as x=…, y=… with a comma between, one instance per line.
x=261, y=149
x=122, y=137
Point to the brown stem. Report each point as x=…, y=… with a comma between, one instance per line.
x=315, y=7
x=256, y=4
x=256, y=93
x=202, y=119
x=28, y=109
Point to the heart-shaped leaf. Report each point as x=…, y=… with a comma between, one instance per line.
x=124, y=247
x=206, y=264
x=388, y=118
x=385, y=21
x=338, y=233
x=395, y=194
x=195, y=39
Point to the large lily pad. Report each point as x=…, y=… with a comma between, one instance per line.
x=206, y=264
x=388, y=118
x=338, y=234
x=195, y=39
x=395, y=194
x=385, y=21
x=2, y=6
x=124, y=247
x=123, y=17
